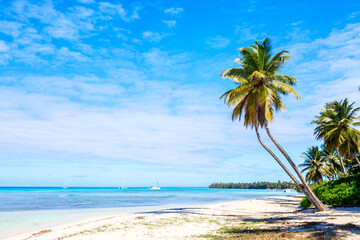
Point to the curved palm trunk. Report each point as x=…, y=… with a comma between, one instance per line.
x=341, y=161
x=307, y=190
x=297, y=183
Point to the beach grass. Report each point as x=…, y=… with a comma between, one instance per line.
x=266, y=230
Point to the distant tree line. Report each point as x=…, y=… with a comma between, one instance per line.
x=255, y=185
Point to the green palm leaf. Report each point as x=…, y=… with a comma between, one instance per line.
x=261, y=86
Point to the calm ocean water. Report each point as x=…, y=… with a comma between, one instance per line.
x=28, y=209
x=34, y=198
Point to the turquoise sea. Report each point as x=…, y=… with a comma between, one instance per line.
x=28, y=208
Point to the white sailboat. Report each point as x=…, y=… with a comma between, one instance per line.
x=156, y=184
x=122, y=184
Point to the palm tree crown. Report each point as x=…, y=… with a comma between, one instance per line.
x=260, y=85
x=318, y=164
x=335, y=125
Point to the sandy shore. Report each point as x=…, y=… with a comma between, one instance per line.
x=204, y=221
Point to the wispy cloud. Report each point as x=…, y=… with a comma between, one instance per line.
x=174, y=10
x=217, y=42
x=165, y=63
x=86, y=1
x=296, y=23
x=354, y=14
x=113, y=9
x=33, y=26
x=153, y=36
x=170, y=23
x=246, y=32
x=10, y=28
x=46, y=125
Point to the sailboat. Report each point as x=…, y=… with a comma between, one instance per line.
x=122, y=184
x=156, y=184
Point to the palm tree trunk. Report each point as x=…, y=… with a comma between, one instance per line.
x=341, y=161
x=357, y=159
x=297, y=183
x=307, y=190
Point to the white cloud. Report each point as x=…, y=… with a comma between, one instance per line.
x=170, y=23
x=167, y=64
x=296, y=23
x=217, y=42
x=83, y=12
x=174, y=11
x=140, y=125
x=113, y=9
x=86, y=1
x=354, y=14
x=63, y=28
x=57, y=24
x=4, y=47
x=10, y=28
x=64, y=54
x=245, y=32
x=135, y=40
x=153, y=36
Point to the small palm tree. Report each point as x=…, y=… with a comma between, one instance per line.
x=316, y=165
x=335, y=126
x=332, y=160
x=258, y=96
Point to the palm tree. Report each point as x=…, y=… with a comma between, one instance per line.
x=351, y=147
x=334, y=126
x=258, y=96
x=332, y=160
x=315, y=165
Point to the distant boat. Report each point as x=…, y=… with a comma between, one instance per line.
x=287, y=190
x=156, y=184
x=122, y=184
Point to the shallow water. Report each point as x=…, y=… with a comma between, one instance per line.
x=30, y=199
x=25, y=209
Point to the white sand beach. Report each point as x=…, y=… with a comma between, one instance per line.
x=202, y=221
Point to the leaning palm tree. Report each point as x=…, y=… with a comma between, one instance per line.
x=258, y=96
x=316, y=165
x=335, y=126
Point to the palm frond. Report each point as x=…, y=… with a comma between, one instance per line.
x=238, y=75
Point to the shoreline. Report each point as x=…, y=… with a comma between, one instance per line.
x=60, y=217
x=36, y=220
x=197, y=220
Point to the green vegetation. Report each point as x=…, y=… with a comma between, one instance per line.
x=344, y=191
x=271, y=235
x=335, y=125
x=338, y=156
x=257, y=96
x=255, y=185
x=320, y=164
x=267, y=231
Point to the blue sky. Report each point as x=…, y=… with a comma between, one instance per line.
x=93, y=91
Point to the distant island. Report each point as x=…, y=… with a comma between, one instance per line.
x=255, y=185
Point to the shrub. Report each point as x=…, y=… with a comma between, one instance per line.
x=344, y=191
